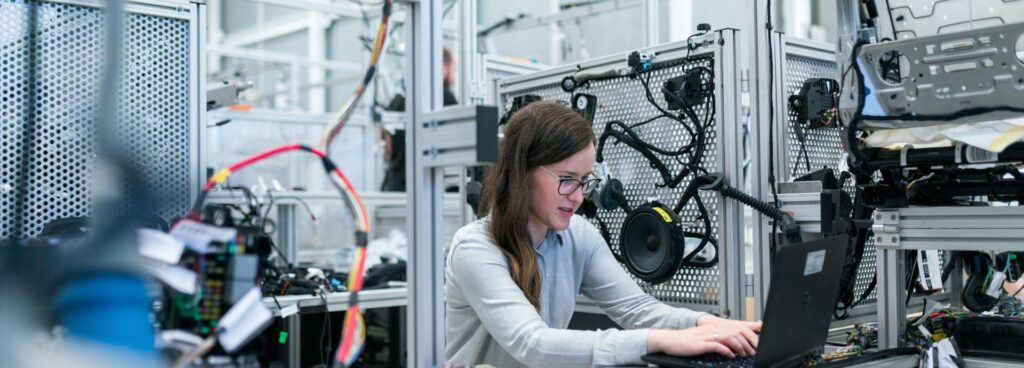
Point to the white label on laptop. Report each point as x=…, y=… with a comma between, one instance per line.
x=815, y=262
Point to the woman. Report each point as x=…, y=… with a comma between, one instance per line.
x=512, y=278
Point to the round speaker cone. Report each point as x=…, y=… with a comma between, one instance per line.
x=974, y=298
x=650, y=243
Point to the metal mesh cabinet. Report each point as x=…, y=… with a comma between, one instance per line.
x=158, y=112
x=717, y=289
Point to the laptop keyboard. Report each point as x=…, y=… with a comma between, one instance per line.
x=718, y=360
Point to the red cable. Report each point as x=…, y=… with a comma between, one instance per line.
x=256, y=158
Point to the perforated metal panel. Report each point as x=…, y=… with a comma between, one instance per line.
x=623, y=99
x=823, y=148
x=154, y=108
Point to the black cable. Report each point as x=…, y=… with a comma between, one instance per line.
x=325, y=350
x=281, y=254
x=771, y=117
x=252, y=204
x=629, y=141
x=636, y=125
x=912, y=261
x=636, y=137
x=279, y=308
x=707, y=238
x=801, y=137
x=954, y=260
x=699, y=145
x=691, y=192
x=28, y=127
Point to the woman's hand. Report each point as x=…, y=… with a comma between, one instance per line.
x=712, y=335
x=727, y=340
x=748, y=330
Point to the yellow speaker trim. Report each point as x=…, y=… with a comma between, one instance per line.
x=664, y=215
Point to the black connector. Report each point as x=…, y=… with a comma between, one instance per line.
x=640, y=62
x=585, y=105
x=817, y=102
x=517, y=103
x=789, y=226
x=687, y=89
x=612, y=195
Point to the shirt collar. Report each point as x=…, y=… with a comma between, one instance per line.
x=550, y=239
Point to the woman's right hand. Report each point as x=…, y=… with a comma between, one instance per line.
x=700, y=340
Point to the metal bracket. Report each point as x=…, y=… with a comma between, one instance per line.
x=887, y=228
x=459, y=136
x=945, y=73
x=814, y=208
x=995, y=228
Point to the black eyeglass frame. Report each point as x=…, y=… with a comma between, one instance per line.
x=575, y=184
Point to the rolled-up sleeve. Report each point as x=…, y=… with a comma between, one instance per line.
x=608, y=285
x=481, y=275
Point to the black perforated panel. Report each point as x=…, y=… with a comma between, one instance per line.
x=623, y=99
x=823, y=148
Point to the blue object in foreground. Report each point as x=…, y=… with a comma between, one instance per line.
x=111, y=309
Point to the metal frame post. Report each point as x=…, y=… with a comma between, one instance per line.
x=759, y=143
x=426, y=262
x=731, y=277
x=287, y=234
x=652, y=28
x=891, y=295
x=197, y=115
x=471, y=64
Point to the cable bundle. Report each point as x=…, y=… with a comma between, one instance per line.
x=354, y=333
x=339, y=119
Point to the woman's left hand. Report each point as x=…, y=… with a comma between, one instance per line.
x=747, y=329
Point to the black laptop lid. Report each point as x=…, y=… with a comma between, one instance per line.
x=803, y=291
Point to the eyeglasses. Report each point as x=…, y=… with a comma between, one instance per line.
x=567, y=186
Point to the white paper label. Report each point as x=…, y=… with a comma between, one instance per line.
x=160, y=246
x=289, y=311
x=170, y=338
x=198, y=235
x=930, y=274
x=243, y=321
x=178, y=278
x=815, y=262
x=995, y=288
x=924, y=331
x=946, y=354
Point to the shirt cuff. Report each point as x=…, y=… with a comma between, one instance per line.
x=625, y=349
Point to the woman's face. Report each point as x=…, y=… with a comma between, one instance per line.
x=549, y=208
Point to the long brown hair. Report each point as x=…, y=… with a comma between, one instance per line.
x=542, y=133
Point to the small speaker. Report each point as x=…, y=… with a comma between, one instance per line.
x=652, y=243
x=974, y=298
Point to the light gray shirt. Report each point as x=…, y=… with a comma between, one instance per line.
x=490, y=321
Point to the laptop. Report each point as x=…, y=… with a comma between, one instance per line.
x=802, y=295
